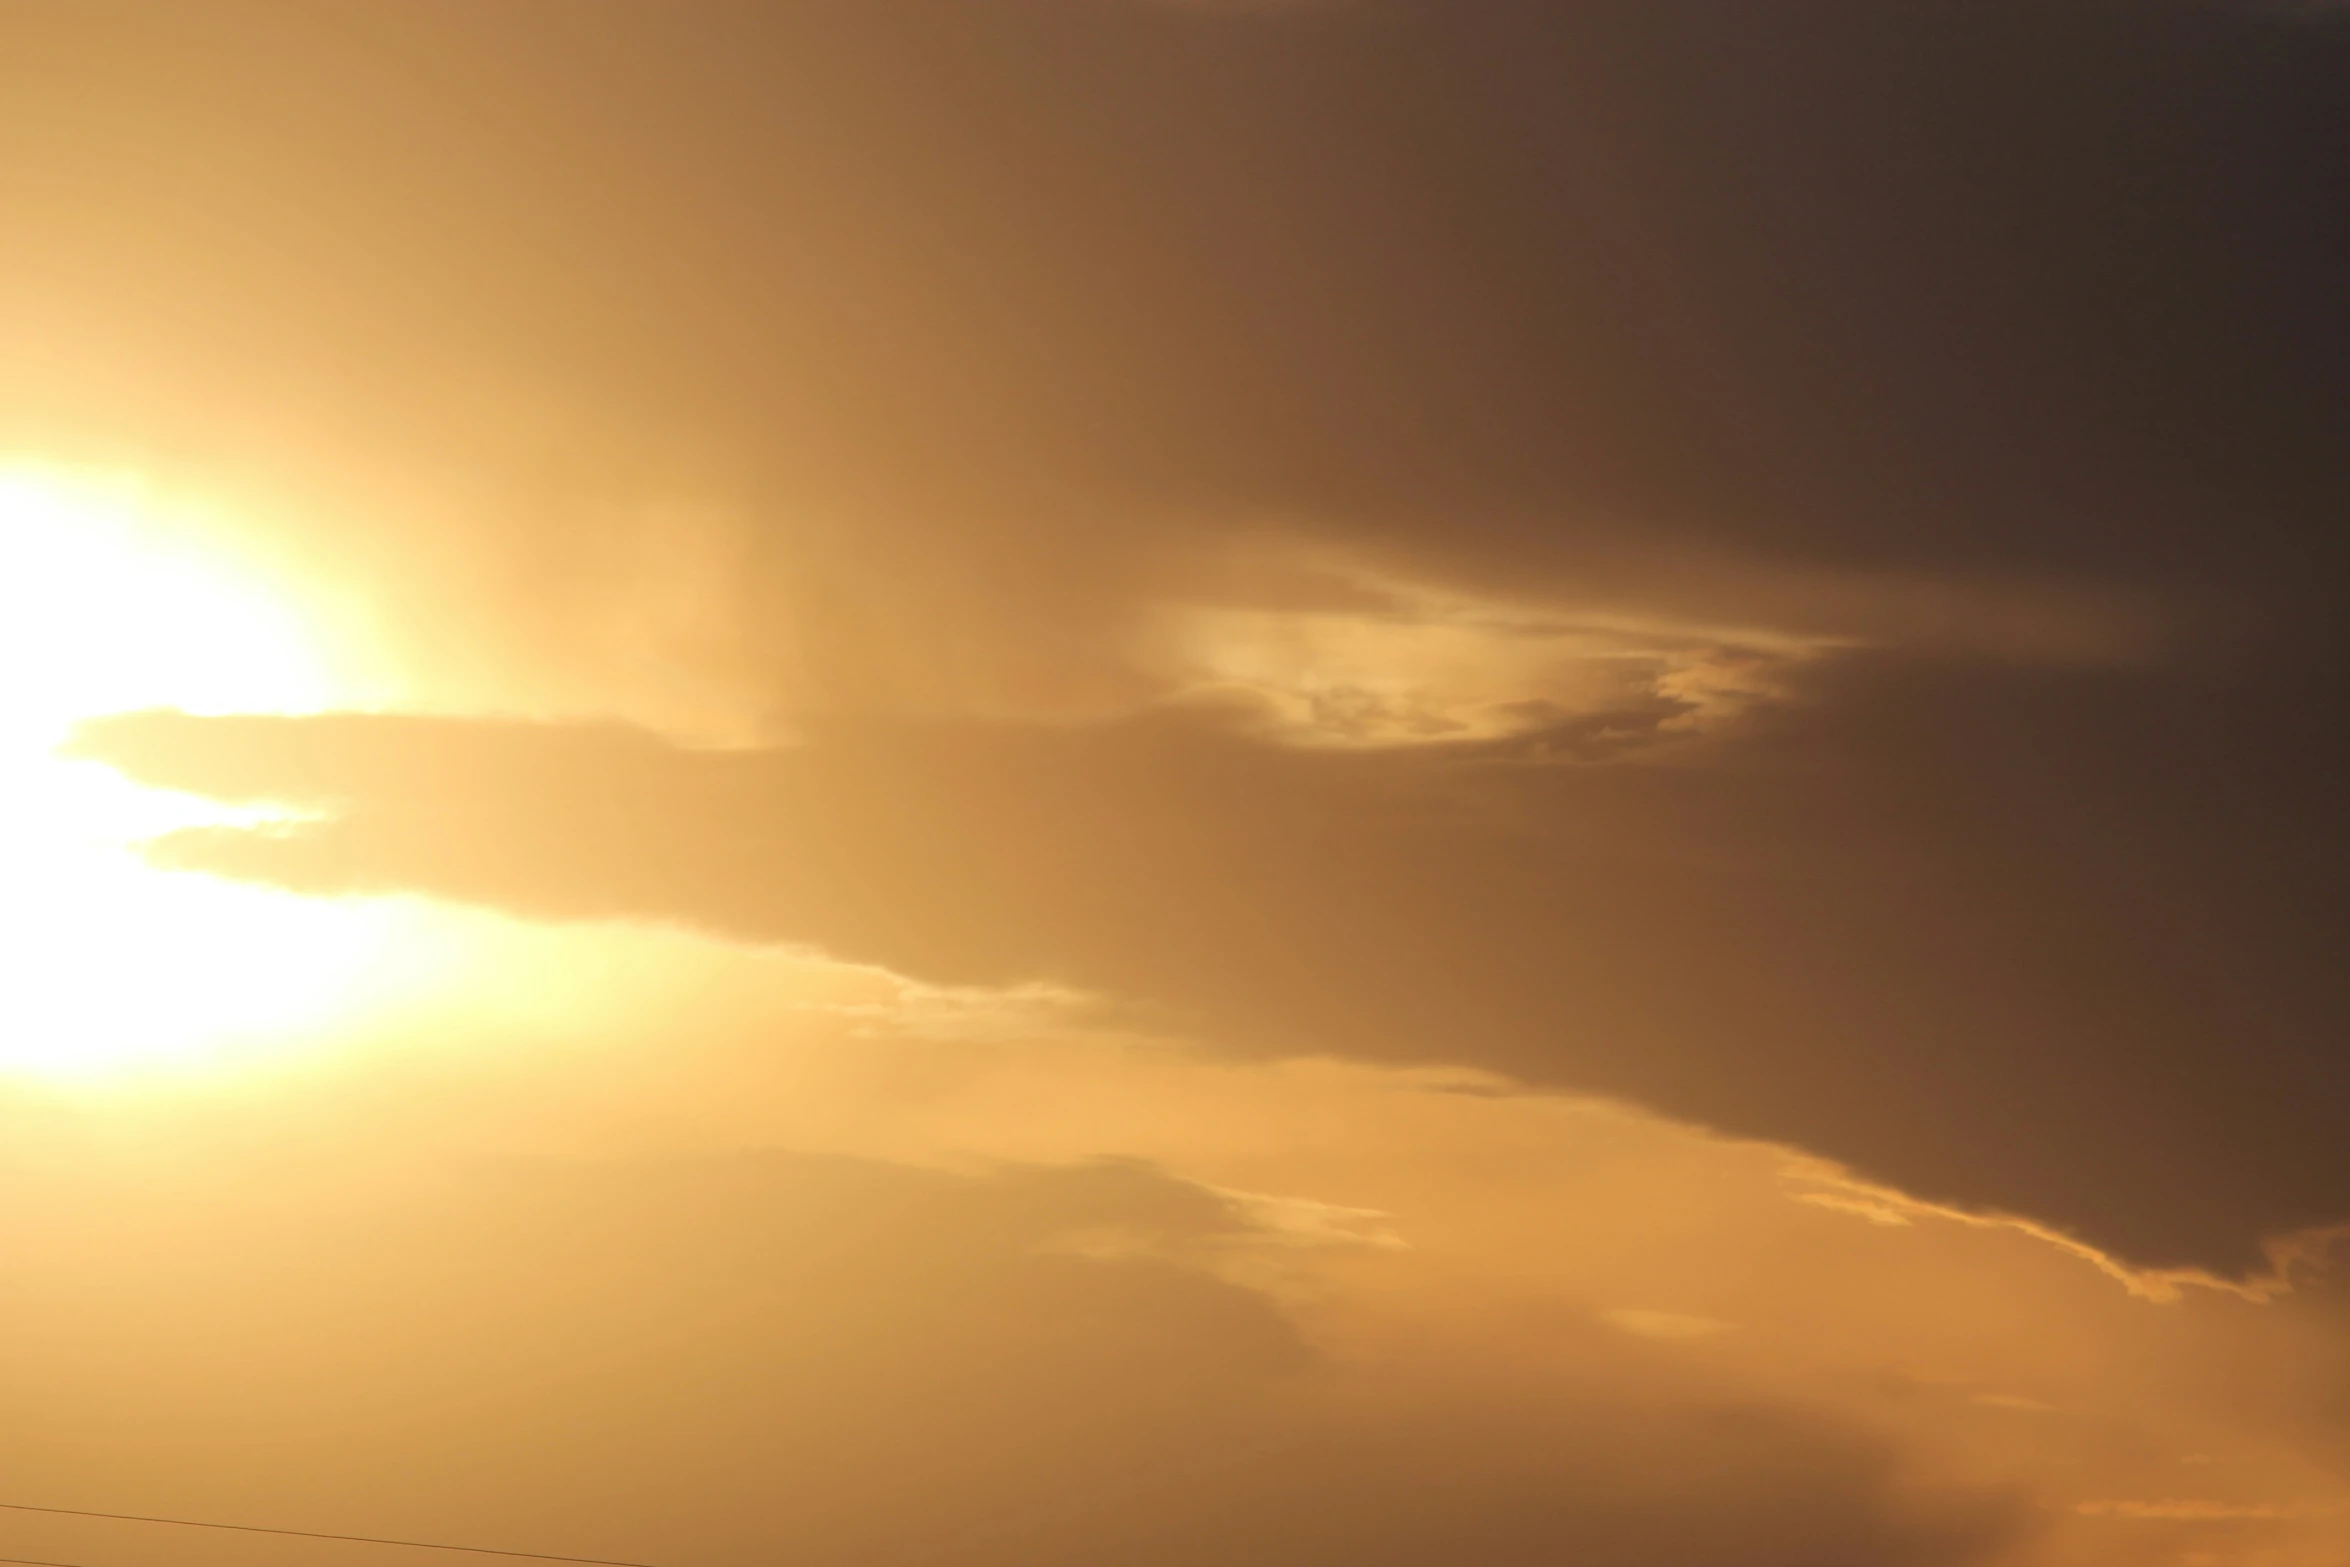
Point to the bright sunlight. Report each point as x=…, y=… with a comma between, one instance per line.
x=110, y=601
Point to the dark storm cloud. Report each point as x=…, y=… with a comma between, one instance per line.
x=738, y=1359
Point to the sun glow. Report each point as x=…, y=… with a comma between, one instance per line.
x=111, y=600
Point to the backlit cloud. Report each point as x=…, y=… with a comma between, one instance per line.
x=1372, y=783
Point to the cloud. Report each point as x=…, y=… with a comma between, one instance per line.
x=2186, y=1511
x=1380, y=288
x=2031, y=987
x=1780, y=564
x=627, y=1152
x=1667, y=1325
x=728, y=1359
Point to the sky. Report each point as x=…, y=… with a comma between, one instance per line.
x=1032, y=782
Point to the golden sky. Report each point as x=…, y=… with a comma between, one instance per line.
x=1030, y=782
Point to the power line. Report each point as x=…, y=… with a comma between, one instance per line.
x=22, y=1561
x=306, y=1534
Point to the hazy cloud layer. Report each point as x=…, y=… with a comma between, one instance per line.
x=726, y=1359
x=558, y=1287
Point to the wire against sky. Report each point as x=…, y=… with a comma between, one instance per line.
x=306, y=1534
